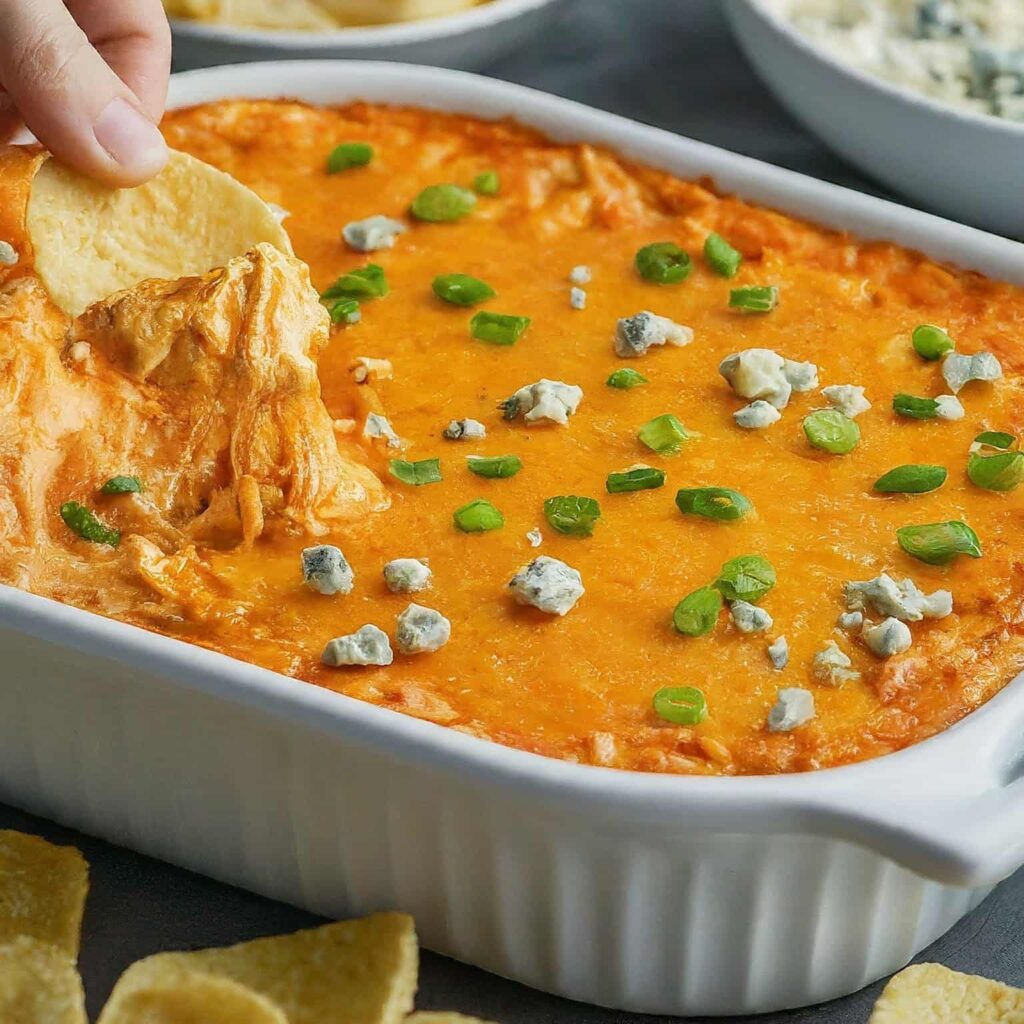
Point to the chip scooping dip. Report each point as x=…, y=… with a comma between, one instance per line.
x=170, y=994
x=355, y=972
x=42, y=892
x=39, y=984
x=91, y=241
x=933, y=994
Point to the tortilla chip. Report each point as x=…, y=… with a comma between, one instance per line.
x=42, y=891
x=39, y=985
x=933, y=994
x=434, y=1017
x=355, y=972
x=91, y=241
x=168, y=994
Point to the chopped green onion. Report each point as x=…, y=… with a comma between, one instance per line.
x=462, y=290
x=122, y=485
x=437, y=203
x=427, y=471
x=663, y=263
x=1003, y=472
x=939, y=543
x=931, y=342
x=996, y=439
x=498, y=328
x=487, y=184
x=697, y=613
x=348, y=155
x=643, y=478
x=718, y=503
x=664, y=435
x=913, y=479
x=344, y=311
x=915, y=408
x=80, y=520
x=721, y=256
x=499, y=467
x=754, y=299
x=571, y=515
x=831, y=431
x=626, y=379
x=747, y=578
x=366, y=282
x=478, y=516
x=681, y=705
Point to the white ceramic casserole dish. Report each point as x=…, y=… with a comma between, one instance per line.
x=472, y=39
x=955, y=161
x=663, y=894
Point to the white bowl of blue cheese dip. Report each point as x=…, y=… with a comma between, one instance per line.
x=926, y=96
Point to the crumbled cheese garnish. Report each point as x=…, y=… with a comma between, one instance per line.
x=80, y=351
x=550, y=400
x=421, y=630
x=407, y=575
x=465, y=430
x=748, y=618
x=850, y=621
x=757, y=415
x=949, y=408
x=326, y=570
x=577, y=298
x=279, y=212
x=548, y=584
x=887, y=638
x=793, y=707
x=801, y=376
x=832, y=666
x=8, y=255
x=535, y=537
x=778, y=653
x=580, y=275
x=758, y=373
x=378, y=426
x=366, y=368
x=847, y=398
x=373, y=233
x=366, y=646
x=901, y=600
x=960, y=370
x=634, y=335
x=344, y=426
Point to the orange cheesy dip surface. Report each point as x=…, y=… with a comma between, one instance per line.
x=776, y=623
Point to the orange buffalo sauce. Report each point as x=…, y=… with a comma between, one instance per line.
x=581, y=687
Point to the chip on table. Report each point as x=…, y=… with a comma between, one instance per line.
x=39, y=984
x=933, y=994
x=42, y=891
x=355, y=972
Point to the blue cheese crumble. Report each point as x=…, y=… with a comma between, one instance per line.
x=366, y=646
x=465, y=430
x=793, y=707
x=407, y=575
x=949, y=408
x=778, y=653
x=634, y=335
x=748, y=618
x=373, y=233
x=549, y=585
x=8, y=255
x=959, y=370
x=581, y=274
x=846, y=398
x=760, y=373
x=577, y=298
x=326, y=570
x=887, y=638
x=832, y=666
x=421, y=630
x=902, y=600
x=757, y=415
x=377, y=426
x=550, y=400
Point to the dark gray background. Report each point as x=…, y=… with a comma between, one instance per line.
x=670, y=63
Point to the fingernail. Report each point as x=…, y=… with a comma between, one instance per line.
x=131, y=140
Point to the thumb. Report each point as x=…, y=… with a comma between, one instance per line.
x=70, y=98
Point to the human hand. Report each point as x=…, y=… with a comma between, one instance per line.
x=89, y=79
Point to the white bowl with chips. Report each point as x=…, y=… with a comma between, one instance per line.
x=659, y=894
x=954, y=161
x=472, y=39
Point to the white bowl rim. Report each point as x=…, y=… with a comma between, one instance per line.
x=365, y=37
x=903, y=95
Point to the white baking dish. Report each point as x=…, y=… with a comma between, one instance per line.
x=650, y=893
x=472, y=39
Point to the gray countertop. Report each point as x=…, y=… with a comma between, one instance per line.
x=670, y=63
